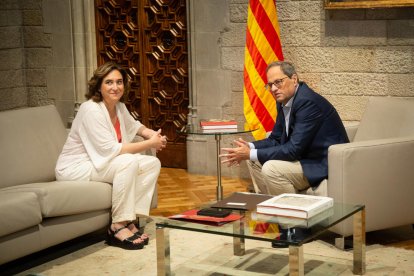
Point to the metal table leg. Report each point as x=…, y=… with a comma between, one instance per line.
x=359, y=243
x=296, y=261
x=238, y=243
x=163, y=251
x=219, y=187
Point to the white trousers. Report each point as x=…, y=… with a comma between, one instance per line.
x=276, y=177
x=133, y=178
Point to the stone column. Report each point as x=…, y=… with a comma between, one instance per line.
x=84, y=45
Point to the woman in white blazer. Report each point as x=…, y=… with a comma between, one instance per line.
x=99, y=147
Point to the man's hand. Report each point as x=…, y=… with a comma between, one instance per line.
x=235, y=155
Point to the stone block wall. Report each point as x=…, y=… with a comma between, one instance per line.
x=47, y=53
x=25, y=53
x=12, y=89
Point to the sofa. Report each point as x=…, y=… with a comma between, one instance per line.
x=375, y=168
x=36, y=211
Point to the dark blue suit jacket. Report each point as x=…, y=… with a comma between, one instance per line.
x=314, y=125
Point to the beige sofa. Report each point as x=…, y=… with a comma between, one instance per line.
x=376, y=168
x=36, y=211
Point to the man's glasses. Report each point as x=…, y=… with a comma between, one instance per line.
x=278, y=83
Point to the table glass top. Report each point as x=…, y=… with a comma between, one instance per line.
x=254, y=226
x=196, y=129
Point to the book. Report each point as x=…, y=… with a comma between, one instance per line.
x=241, y=201
x=294, y=222
x=219, y=130
x=294, y=205
x=218, y=124
x=219, y=127
x=191, y=216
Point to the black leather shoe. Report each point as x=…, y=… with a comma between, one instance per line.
x=279, y=244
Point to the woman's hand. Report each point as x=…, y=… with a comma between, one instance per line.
x=153, y=140
x=158, y=141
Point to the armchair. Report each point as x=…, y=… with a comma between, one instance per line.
x=376, y=167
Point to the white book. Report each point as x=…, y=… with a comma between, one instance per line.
x=294, y=222
x=220, y=127
x=219, y=130
x=294, y=205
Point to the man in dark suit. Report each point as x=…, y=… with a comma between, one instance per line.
x=294, y=156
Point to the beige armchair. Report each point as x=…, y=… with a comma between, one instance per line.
x=376, y=168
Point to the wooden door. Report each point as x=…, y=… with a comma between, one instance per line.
x=149, y=39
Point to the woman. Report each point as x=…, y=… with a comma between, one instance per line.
x=100, y=148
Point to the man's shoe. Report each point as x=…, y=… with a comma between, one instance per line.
x=279, y=244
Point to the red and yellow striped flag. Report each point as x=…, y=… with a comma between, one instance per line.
x=262, y=47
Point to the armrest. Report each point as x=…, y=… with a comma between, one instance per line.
x=351, y=131
x=377, y=173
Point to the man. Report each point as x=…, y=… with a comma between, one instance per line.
x=295, y=155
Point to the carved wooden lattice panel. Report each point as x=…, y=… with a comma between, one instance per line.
x=149, y=39
x=118, y=38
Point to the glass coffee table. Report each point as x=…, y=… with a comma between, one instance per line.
x=288, y=235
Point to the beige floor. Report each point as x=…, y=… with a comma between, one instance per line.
x=205, y=254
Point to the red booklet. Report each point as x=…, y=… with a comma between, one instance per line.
x=192, y=216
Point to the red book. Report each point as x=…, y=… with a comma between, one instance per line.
x=218, y=124
x=192, y=216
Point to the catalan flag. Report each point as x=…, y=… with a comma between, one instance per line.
x=262, y=47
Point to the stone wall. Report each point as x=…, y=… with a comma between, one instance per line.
x=47, y=53
x=24, y=54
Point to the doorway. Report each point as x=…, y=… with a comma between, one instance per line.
x=149, y=39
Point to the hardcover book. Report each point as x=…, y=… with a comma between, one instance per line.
x=294, y=205
x=218, y=124
x=241, y=201
x=191, y=216
x=294, y=222
x=219, y=130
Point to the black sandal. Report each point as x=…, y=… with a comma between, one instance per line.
x=138, y=234
x=127, y=243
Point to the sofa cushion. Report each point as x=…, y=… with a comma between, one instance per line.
x=18, y=211
x=31, y=140
x=386, y=117
x=60, y=198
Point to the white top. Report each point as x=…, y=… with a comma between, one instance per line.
x=286, y=111
x=93, y=137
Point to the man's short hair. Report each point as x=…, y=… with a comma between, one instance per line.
x=286, y=67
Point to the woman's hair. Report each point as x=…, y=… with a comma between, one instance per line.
x=94, y=84
x=286, y=67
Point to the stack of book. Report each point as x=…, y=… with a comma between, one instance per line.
x=294, y=222
x=218, y=125
x=295, y=205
